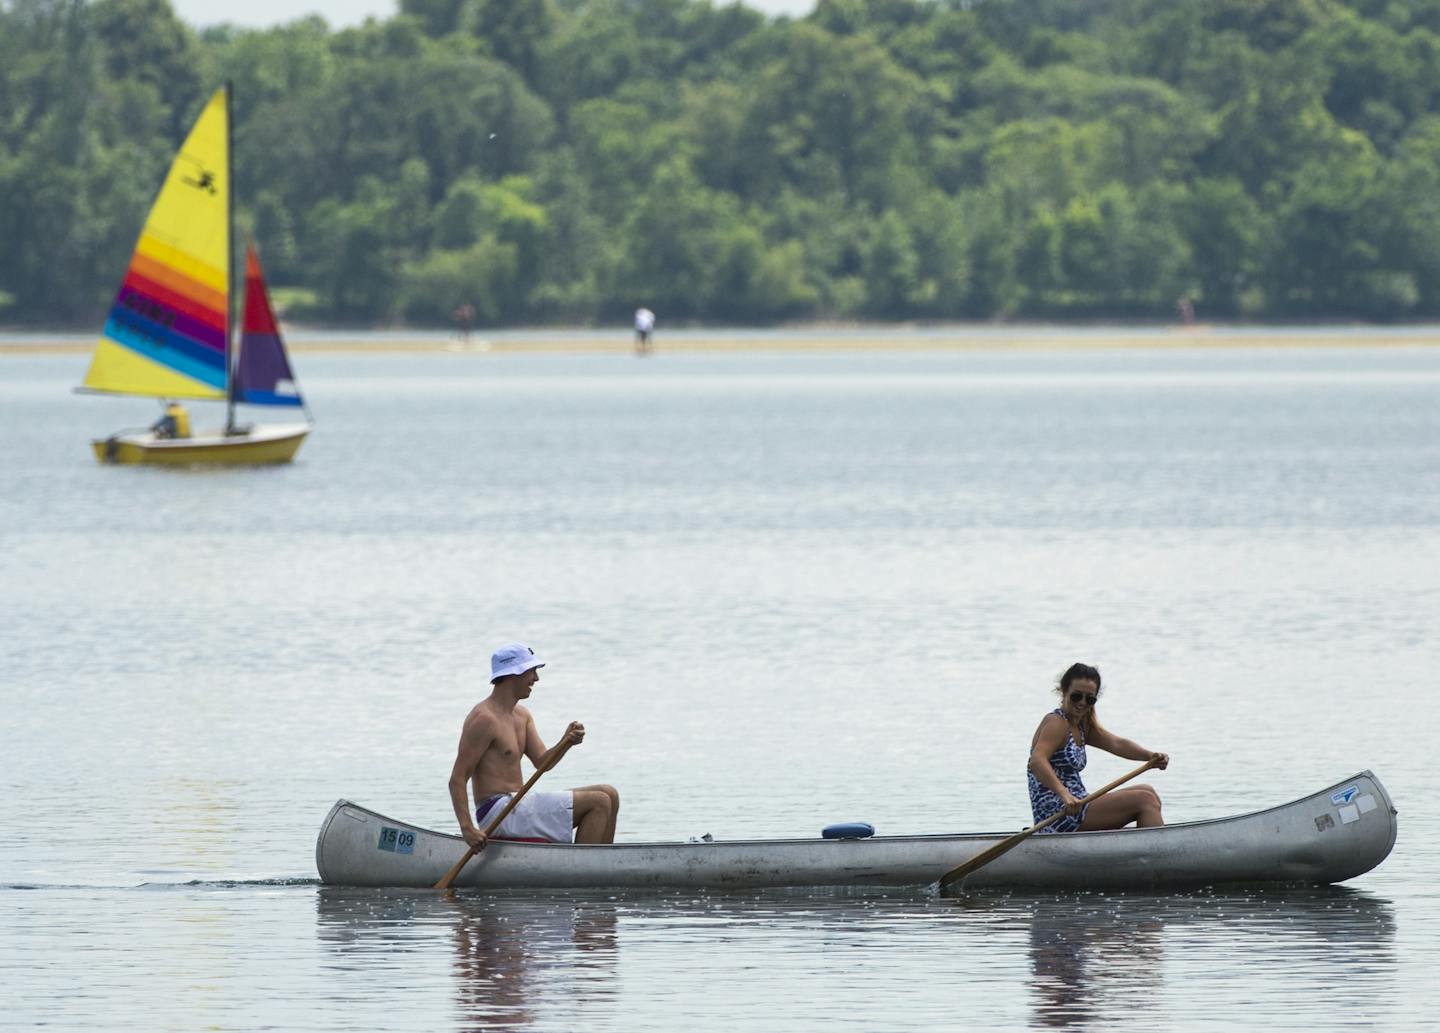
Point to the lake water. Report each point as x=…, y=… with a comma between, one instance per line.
x=782, y=589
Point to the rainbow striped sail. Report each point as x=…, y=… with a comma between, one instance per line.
x=262, y=372
x=166, y=333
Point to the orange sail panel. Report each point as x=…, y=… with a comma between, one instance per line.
x=165, y=335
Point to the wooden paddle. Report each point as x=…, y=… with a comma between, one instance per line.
x=984, y=857
x=554, y=758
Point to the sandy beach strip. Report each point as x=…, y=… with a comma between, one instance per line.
x=810, y=338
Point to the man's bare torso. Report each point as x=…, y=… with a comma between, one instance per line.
x=498, y=769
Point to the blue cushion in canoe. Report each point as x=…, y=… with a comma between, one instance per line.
x=848, y=830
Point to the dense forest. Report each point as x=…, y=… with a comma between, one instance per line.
x=565, y=160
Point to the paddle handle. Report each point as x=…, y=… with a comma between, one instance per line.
x=1006, y=845
x=454, y=872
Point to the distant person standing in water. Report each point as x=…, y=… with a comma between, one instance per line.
x=1057, y=756
x=644, y=327
x=464, y=319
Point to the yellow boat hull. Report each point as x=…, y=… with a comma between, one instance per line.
x=262, y=445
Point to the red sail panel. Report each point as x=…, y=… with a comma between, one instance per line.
x=262, y=374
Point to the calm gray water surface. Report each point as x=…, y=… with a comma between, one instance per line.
x=781, y=590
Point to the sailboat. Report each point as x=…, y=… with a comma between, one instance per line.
x=169, y=334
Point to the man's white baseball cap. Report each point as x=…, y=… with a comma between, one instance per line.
x=514, y=658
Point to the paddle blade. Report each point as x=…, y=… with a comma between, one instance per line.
x=454, y=873
x=989, y=854
x=959, y=872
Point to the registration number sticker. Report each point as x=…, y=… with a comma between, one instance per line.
x=397, y=841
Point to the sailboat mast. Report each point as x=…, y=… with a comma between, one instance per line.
x=230, y=352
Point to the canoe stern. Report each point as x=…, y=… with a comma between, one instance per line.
x=1331, y=836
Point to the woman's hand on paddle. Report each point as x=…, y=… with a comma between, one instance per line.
x=1160, y=760
x=475, y=838
x=1071, y=804
x=574, y=734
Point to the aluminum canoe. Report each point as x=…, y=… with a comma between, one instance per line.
x=1338, y=833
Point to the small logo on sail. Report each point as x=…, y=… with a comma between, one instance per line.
x=205, y=181
x=148, y=308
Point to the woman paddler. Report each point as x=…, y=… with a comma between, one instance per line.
x=1057, y=756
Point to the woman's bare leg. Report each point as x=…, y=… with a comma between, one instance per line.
x=1115, y=810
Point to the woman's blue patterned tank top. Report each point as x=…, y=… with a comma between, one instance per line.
x=1068, y=761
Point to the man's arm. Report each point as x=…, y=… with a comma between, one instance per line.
x=475, y=739
x=535, y=749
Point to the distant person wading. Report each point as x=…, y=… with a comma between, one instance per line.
x=644, y=328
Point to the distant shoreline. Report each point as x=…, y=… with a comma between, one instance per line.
x=907, y=337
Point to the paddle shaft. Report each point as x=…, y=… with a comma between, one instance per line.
x=1006, y=845
x=453, y=873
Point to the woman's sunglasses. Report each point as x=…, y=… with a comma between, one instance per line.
x=1076, y=697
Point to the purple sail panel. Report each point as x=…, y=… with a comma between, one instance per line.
x=262, y=376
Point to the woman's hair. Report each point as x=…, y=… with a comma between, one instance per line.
x=1080, y=672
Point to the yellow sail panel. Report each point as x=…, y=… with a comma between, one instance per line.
x=166, y=334
x=119, y=370
x=192, y=213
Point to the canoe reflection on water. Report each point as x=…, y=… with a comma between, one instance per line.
x=1106, y=956
x=506, y=950
x=511, y=960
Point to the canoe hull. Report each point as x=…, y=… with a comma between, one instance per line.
x=276, y=443
x=1313, y=840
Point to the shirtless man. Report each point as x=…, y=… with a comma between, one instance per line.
x=496, y=732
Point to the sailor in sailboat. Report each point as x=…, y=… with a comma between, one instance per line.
x=174, y=424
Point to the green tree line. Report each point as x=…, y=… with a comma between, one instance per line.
x=568, y=160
